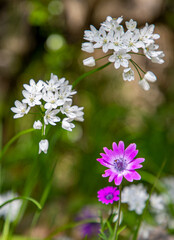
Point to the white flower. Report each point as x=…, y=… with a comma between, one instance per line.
x=148, y=77
x=21, y=109
x=11, y=209
x=131, y=25
x=43, y=146
x=89, y=35
x=146, y=34
x=31, y=99
x=50, y=117
x=87, y=47
x=90, y=62
x=116, y=41
x=120, y=58
x=135, y=196
x=113, y=24
x=66, y=124
x=169, y=184
x=103, y=40
x=72, y=112
x=34, y=88
x=37, y=125
x=145, y=230
x=131, y=40
x=128, y=74
x=157, y=202
x=51, y=100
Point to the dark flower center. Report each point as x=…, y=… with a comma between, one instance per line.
x=109, y=196
x=120, y=164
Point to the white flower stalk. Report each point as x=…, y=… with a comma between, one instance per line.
x=21, y=109
x=43, y=146
x=37, y=124
x=50, y=99
x=89, y=62
x=123, y=44
x=135, y=196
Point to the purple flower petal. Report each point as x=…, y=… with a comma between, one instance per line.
x=128, y=176
x=121, y=148
x=118, y=179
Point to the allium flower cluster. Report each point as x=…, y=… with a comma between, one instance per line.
x=11, y=209
x=122, y=44
x=135, y=196
x=53, y=97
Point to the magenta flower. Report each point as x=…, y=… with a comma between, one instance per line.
x=108, y=195
x=121, y=163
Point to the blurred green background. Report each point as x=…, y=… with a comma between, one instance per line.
x=38, y=38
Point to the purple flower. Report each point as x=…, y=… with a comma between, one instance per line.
x=108, y=195
x=92, y=228
x=121, y=163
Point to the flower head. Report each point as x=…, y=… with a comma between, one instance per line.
x=108, y=195
x=43, y=146
x=121, y=163
x=135, y=196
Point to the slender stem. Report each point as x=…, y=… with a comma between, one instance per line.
x=118, y=220
x=141, y=54
x=133, y=63
x=6, y=228
x=139, y=67
x=103, y=57
x=89, y=73
x=5, y=148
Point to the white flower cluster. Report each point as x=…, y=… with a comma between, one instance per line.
x=135, y=196
x=53, y=97
x=122, y=45
x=11, y=209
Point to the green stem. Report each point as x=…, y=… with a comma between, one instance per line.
x=89, y=73
x=103, y=56
x=118, y=220
x=6, y=228
x=141, y=54
x=133, y=63
x=5, y=148
x=139, y=67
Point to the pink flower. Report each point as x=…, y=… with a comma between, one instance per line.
x=108, y=195
x=121, y=163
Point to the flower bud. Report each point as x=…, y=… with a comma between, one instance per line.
x=43, y=146
x=90, y=62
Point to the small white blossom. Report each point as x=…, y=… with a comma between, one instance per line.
x=34, y=88
x=50, y=117
x=37, y=125
x=31, y=99
x=43, y=146
x=66, y=124
x=113, y=24
x=21, y=109
x=120, y=58
x=11, y=209
x=157, y=202
x=89, y=35
x=135, y=196
x=128, y=74
x=88, y=47
x=148, y=77
x=131, y=25
x=72, y=112
x=90, y=62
